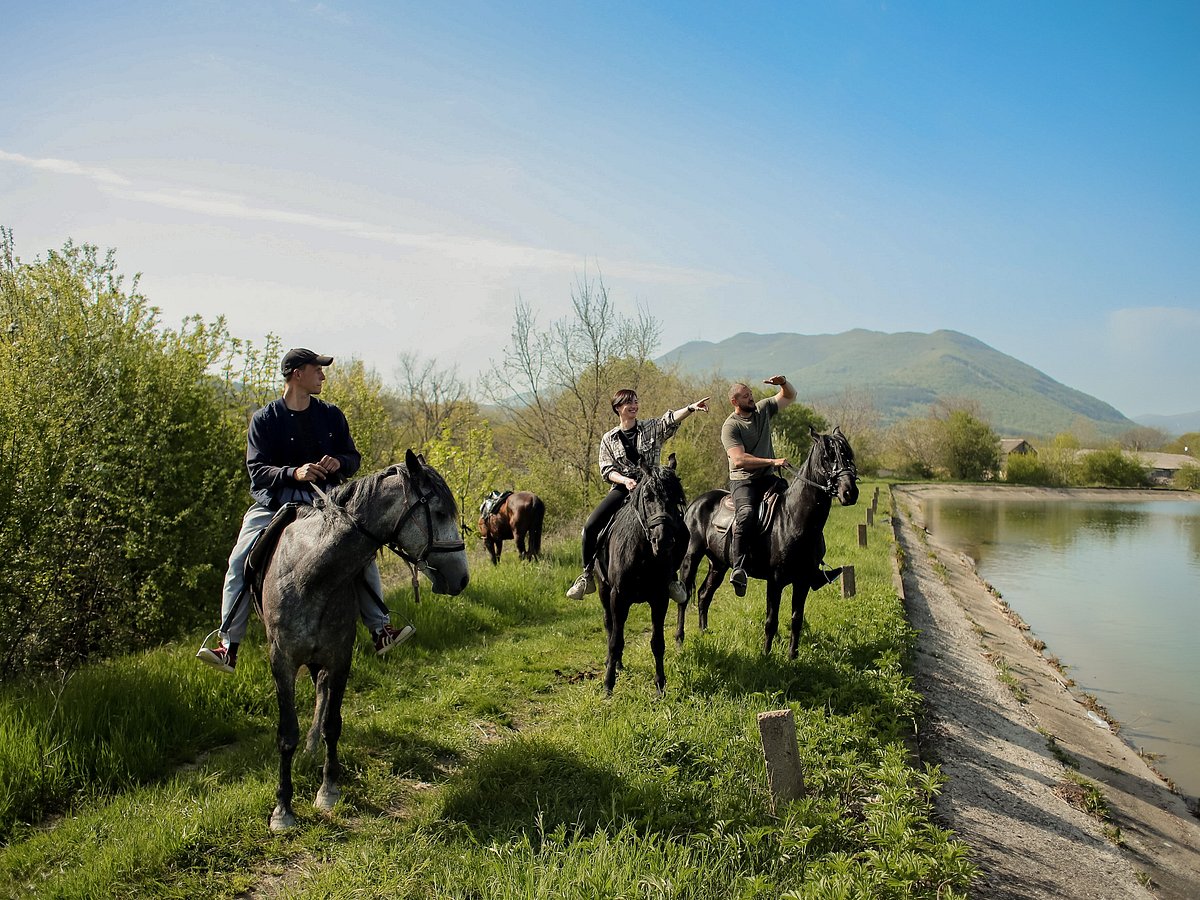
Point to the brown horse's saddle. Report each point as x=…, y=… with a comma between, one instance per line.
x=722, y=518
x=263, y=548
x=492, y=503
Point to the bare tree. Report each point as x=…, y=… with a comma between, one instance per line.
x=554, y=385
x=428, y=394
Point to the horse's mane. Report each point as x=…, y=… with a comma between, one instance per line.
x=363, y=491
x=669, y=487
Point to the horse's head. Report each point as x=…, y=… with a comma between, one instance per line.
x=831, y=462
x=659, y=501
x=426, y=532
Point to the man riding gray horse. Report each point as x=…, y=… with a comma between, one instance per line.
x=294, y=445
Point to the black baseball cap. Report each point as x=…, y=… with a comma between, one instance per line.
x=297, y=357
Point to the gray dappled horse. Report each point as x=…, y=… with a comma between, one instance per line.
x=639, y=560
x=792, y=549
x=310, y=608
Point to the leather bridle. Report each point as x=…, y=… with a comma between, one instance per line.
x=392, y=541
x=833, y=474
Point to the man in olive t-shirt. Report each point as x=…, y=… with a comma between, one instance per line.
x=746, y=436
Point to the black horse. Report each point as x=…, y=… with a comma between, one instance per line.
x=646, y=542
x=310, y=604
x=793, y=547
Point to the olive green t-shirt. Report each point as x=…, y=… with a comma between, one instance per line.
x=752, y=434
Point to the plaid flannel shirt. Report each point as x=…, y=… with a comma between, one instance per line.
x=651, y=434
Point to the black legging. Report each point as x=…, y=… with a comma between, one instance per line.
x=747, y=495
x=600, y=516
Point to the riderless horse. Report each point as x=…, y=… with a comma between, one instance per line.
x=518, y=515
x=637, y=562
x=792, y=548
x=309, y=604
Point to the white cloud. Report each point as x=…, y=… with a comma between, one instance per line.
x=478, y=251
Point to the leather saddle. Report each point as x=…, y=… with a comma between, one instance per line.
x=722, y=519
x=493, y=502
x=263, y=549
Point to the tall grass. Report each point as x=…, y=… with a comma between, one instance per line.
x=483, y=760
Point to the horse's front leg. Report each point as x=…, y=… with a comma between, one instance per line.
x=771, y=626
x=288, y=736
x=799, y=595
x=493, y=549
x=658, y=615
x=329, y=793
x=616, y=636
x=522, y=553
x=687, y=574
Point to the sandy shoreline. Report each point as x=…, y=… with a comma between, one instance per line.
x=1009, y=764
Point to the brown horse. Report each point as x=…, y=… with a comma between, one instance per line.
x=518, y=517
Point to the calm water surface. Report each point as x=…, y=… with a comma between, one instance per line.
x=1114, y=591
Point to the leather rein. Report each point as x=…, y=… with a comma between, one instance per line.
x=833, y=475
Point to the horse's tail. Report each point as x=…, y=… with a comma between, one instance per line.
x=318, y=724
x=535, y=530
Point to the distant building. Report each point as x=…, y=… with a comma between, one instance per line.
x=1009, y=446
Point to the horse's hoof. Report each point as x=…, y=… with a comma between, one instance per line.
x=282, y=820
x=327, y=798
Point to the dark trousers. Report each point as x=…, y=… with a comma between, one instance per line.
x=600, y=517
x=747, y=495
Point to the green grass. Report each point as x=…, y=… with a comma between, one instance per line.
x=483, y=760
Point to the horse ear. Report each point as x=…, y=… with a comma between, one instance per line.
x=813, y=433
x=837, y=429
x=671, y=461
x=413, y=462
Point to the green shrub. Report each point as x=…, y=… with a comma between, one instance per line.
x=121, y=480
x=1188, y=478
x=1028, y=469
x=1111, y=468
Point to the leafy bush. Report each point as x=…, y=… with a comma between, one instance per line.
x=1188, y=478
x=1111, y=468
x=121, y=479
x=1028, y=469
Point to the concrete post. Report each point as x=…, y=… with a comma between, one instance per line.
x=785, y=780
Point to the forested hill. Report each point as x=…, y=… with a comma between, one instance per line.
x=904, y=373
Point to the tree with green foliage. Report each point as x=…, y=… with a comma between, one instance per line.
x=465, y=455
x=970, y=450
x=121, y=477
x=359, y=393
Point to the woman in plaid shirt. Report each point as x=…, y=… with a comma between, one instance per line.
x=621, y=451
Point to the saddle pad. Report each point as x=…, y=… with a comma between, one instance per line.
x=264, y=546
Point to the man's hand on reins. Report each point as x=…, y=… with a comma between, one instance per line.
x=311, y=472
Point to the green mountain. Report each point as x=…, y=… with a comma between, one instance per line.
x=903, y=374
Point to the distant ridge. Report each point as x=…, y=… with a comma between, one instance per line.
x=903, y=374
x=1181, y=423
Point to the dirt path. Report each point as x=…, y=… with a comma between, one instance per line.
x=1006, y=778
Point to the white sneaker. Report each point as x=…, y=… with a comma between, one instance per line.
x=584, y=584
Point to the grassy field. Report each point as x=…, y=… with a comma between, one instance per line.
x=484, y=761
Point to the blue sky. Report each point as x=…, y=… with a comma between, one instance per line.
x=374, y=178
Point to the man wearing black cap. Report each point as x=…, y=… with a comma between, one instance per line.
x=293, y=443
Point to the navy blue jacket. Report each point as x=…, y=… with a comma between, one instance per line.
x=275, y=449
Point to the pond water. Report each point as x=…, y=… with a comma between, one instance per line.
x=1114, y=591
